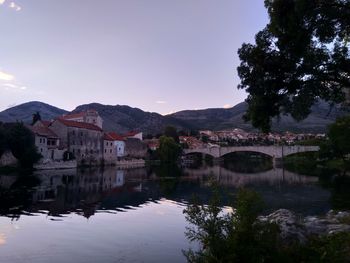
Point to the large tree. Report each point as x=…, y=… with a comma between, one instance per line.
x=301, y=56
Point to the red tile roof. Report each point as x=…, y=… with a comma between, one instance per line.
x=46, y=123
x=115, y=136
x=73, y=115
x=131, y=133
x=43, y=131
x=81, y=125
x=107, y=137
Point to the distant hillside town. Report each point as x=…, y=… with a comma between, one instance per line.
x=80, y=136
x=239, y=137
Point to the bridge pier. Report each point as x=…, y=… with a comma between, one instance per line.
x=277, y=162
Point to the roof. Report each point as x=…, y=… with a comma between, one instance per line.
x=43, y=131
x=74, y=115
x=131, y=133
x=46, y=123
x=81, y=125
x=115, y=136
x=107, y=137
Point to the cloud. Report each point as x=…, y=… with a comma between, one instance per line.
x=161, y=102
x=10, y=85
x=227, y=106
x=2, y=1
x=6, y=76
x=14, y=6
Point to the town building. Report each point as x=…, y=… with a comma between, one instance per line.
x=133, y=135
x=119, y=144
x=109, y=150
x=47, y=141
x=89, y=116
x=83, y=140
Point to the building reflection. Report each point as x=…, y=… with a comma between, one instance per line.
x=86, y=192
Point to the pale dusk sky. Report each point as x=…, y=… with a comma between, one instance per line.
x=157, y=55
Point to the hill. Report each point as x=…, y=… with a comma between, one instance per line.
x=122, y=118
x=24, y=112
x=217, y=119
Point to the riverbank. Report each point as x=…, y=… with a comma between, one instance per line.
x=310, y=164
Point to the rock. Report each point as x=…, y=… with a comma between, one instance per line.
x=297, y=228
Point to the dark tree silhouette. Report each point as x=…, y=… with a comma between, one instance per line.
x=301, y=56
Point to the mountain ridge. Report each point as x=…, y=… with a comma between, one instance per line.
x=123, y=118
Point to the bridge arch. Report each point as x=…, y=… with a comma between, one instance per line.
x=200, y=152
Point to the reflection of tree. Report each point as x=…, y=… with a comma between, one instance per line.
x=246, y=162
x=18, y=197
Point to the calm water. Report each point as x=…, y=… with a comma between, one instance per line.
x=128, y=215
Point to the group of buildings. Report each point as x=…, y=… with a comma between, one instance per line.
x=239, y=137
x=80, y=136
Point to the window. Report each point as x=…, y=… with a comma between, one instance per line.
x=79, y=151
x=111, y=144
x=110, y=150
x=81, y=133
x=41, y=150
x=81, y=142
x=40, y=140
x=105, y=150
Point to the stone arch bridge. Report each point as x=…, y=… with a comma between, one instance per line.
x=276, y=152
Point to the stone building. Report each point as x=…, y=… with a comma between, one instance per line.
x=134, y=148
x=109, y=150
x=83, y=140
x=47, y=141
x=89, y=116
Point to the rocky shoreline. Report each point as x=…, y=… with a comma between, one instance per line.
x=294, y=227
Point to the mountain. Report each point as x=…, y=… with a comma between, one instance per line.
x=121, y=118
x=24, y=112
x=217, y=119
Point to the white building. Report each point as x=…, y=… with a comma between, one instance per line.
x=119, y=144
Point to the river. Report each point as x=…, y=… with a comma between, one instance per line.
x=133, y=215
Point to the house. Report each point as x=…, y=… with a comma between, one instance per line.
x=109, y=150
x=153, y=144
x=135, y=148
x=119, y=144
x=47, y=141
x=133, y=135
x=89, y=116
x=83, y=140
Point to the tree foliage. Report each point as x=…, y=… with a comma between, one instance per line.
x=240, y=237
x=36, y=117
x=168, y=151
x=338, y=144
x=171, y=131
x=20, y=141
x=302, y=55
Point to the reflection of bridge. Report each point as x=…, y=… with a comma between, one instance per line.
x=276, y=152
x=230, y=178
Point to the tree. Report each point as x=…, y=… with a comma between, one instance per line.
x=36, y=117
x=21, y=142
x=338, y=144
x=168, y=151
x=301, y=56
x=171, y=131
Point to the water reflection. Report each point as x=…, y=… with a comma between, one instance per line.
x=86, y=192
x=115, y=215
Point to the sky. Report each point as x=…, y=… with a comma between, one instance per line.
x=158, y=55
